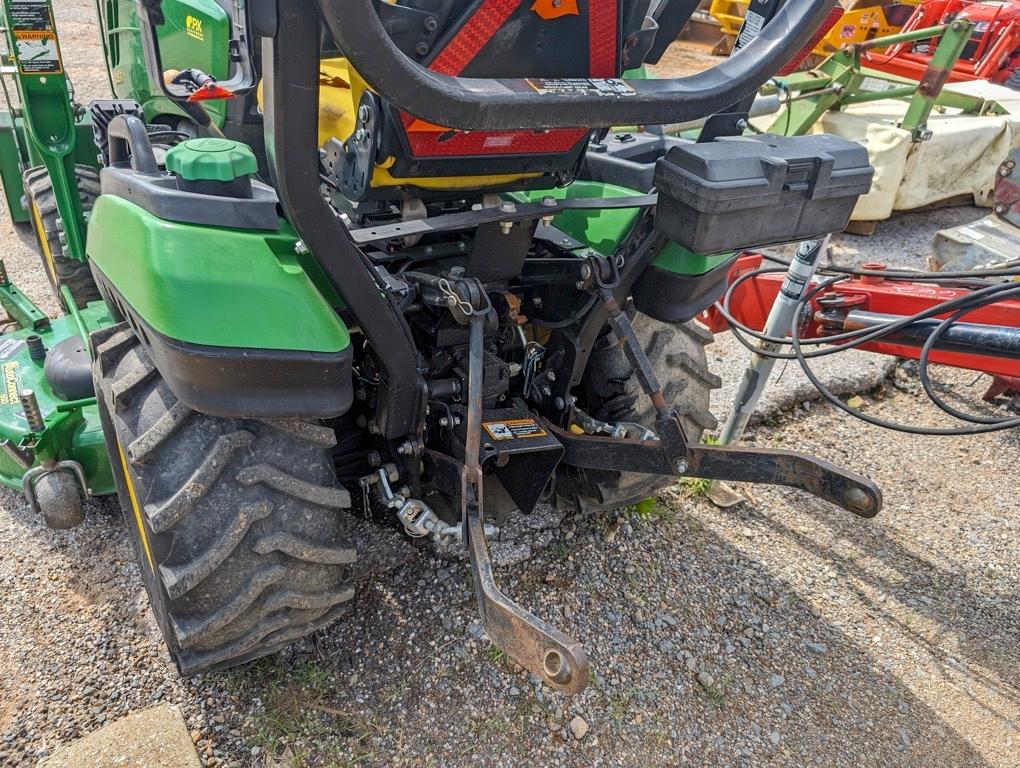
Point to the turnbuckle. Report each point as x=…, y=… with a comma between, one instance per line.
x=600, y=279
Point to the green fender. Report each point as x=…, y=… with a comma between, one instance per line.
x=214, y=286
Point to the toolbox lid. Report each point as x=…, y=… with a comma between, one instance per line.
x=760, y=169
x=211, y=159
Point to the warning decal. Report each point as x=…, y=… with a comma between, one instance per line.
x=30, y=14
x=513, y=429
x=582, y=87
x=37, y=50
x=754, y=23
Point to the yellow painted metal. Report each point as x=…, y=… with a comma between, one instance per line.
x=857, y=25
x=44, y=243
x=135, y=509
x=340, y=89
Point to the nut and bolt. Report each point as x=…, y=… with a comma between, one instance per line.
x=405, y=448
x=30, y=405
x=364, y=113
x=681, y=466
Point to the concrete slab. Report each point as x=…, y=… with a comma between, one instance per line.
x=156, y=738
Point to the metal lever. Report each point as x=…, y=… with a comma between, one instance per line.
x=535, y=645
x=841, y=487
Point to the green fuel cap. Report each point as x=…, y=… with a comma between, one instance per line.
x=211, y=159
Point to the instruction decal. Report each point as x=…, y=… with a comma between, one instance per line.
x=754, y=23
x=567, y=86
x=514, y=429
x=35, y=38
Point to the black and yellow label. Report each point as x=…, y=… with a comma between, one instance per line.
x=514, y=429
x=35, y=38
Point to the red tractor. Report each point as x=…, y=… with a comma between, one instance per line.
x=992, y=54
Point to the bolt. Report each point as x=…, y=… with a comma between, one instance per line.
x=431, y=23
x=360, y=135
x=586, y=271
x=300, y=248
x=549, y=201
x=506, y=226
x=373, y=428
x=507, y=206
x=559, y=403
x=551, y=375
x=422, y=48
x=30, y=405
x=364, y=113
x=681, y=466
x=405, y=448
x=374, y=459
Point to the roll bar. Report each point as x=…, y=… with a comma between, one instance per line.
x=503, y=105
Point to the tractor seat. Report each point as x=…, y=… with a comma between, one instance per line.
x=408, y=157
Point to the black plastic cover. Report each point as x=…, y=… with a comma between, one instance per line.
x=671, y=297
x=753, y=191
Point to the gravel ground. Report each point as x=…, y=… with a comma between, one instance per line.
x=780, y=633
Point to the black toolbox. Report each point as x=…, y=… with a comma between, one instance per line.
x=751, y=191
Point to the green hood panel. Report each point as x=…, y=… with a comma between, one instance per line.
x=215, y=286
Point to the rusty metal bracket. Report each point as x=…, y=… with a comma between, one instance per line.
x=535, y=645
x=852, y=492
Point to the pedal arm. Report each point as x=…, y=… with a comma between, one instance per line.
x=534, y=644
x=537, y=646
x=852, y=492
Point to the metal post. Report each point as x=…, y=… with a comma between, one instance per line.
x=798, y=279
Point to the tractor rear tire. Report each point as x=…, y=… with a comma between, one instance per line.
x=238, y=523
x=611, y=392
x=60, y=268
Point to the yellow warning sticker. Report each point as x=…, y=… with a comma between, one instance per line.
x=514, y=429
x=38, y=53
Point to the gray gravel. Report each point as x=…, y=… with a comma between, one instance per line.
x=780, y=633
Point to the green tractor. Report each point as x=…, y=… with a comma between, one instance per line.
x=328, y=258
